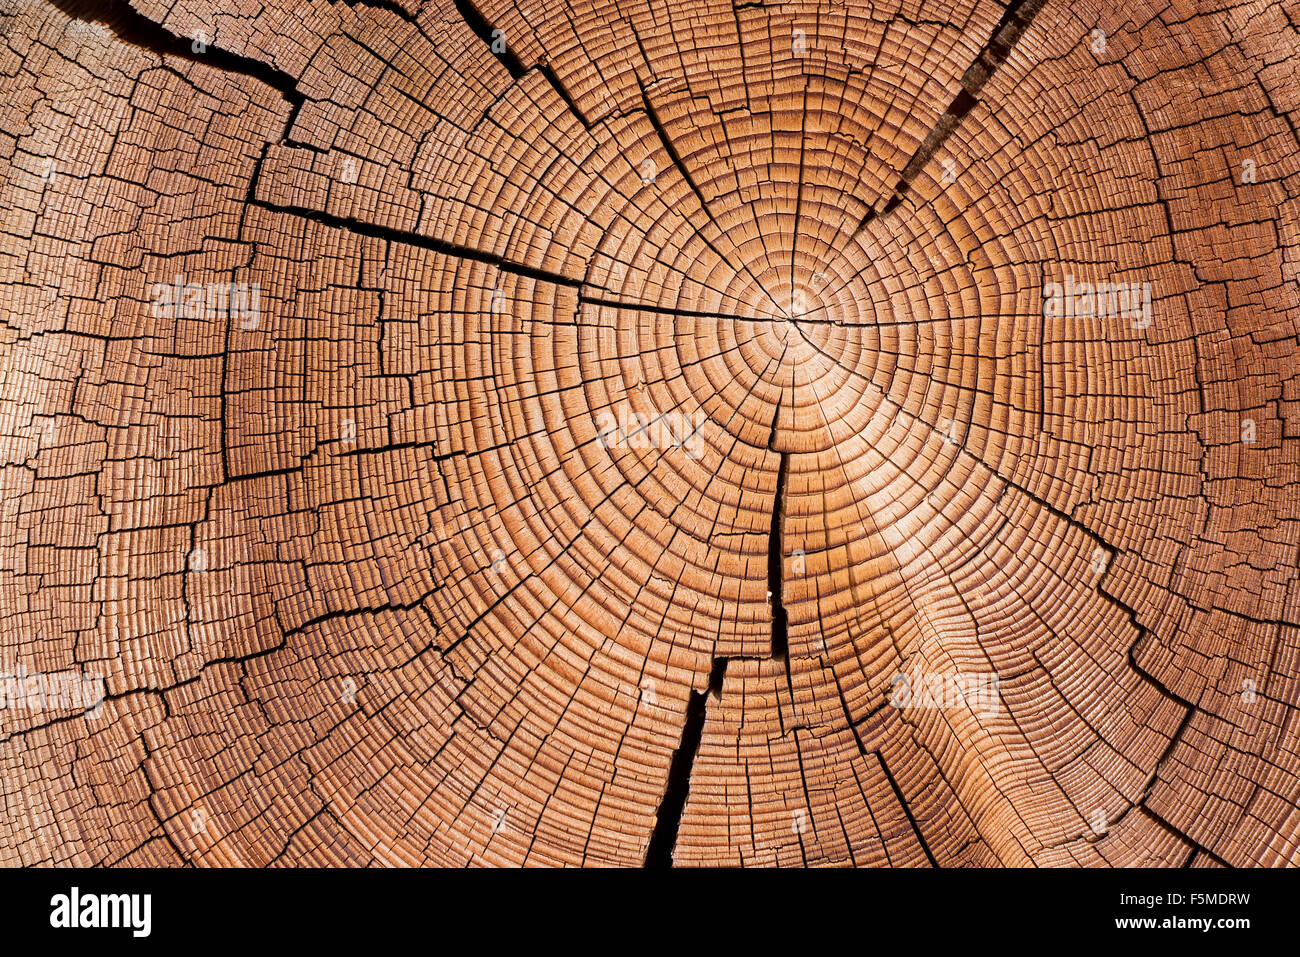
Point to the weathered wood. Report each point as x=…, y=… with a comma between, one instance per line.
x=710, y=433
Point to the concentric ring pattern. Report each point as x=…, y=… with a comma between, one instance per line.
x=757, y=433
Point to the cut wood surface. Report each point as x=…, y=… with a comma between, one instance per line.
x=693, y=433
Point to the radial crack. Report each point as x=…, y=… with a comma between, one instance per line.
x=775, y=567
x=1019, y=14
x=134, y=28
x=663, y=839
x=500, y=48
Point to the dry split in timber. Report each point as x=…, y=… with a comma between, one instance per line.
x=666, y=432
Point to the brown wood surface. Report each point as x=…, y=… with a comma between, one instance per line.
x=365, y=585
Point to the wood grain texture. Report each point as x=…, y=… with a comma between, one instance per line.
x=654, y=441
